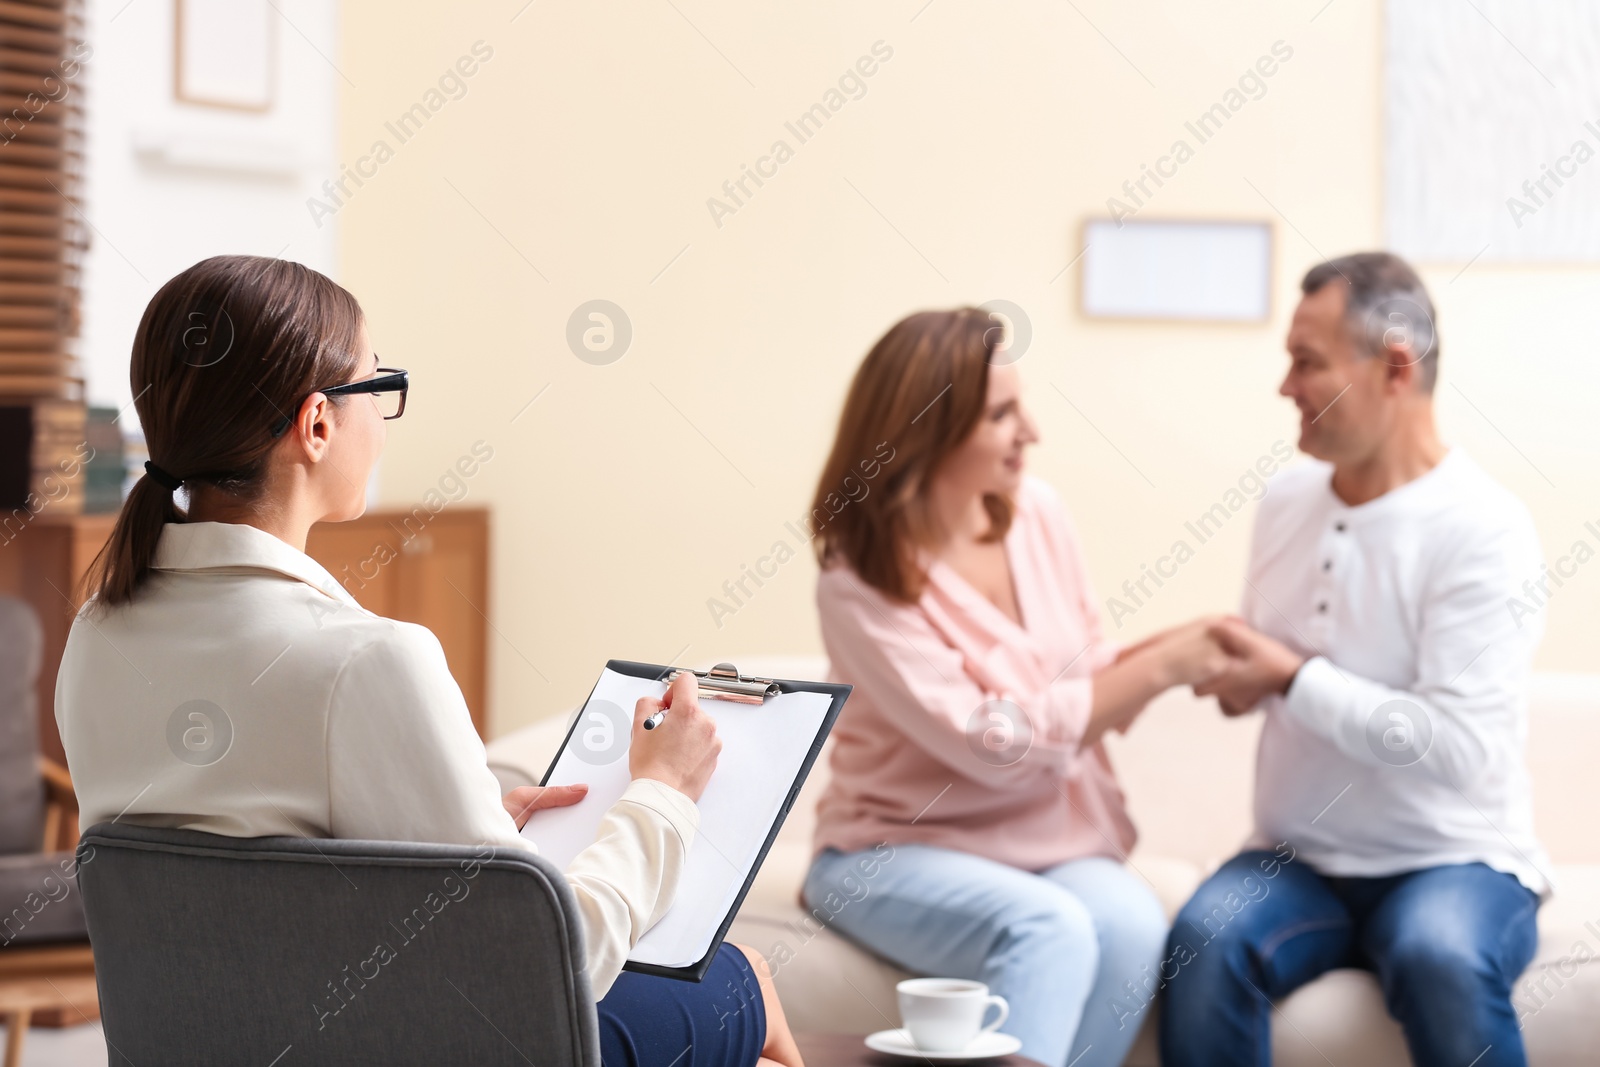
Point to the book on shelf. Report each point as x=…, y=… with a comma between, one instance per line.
x=43, y=453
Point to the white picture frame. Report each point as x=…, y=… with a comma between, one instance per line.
x=1177, y=270
x=224, y=54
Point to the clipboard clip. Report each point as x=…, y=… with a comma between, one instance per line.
x=724, y=682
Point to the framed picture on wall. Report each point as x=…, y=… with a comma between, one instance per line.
x=1177, y=270
x=224, y=52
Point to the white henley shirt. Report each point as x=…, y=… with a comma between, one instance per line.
x=1399, y=745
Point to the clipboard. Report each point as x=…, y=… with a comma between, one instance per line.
x=762, y=767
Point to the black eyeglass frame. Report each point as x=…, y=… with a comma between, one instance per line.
x=390, y=379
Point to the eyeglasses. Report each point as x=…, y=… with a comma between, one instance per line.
x=388, y=390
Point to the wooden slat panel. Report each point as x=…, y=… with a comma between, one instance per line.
x=29, y=177
x=50, y=42
x=31, y=317
x=71, y=10
x=28, y=293
x=12, y=363
x=31, y=247
x=36, y=341
x=51, y=135
x=27, y=385
x=19, y=109
x=46, y=83
x=53, y=224
x=33, y=155
x=41, y=161
x=47, y=202
x=31, y=270
x=26, y=60
x=48, y=18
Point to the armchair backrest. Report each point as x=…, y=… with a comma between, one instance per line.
x=212, y=950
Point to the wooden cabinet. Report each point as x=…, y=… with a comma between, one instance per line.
x=43, y=562
x=432, y=570
x=415, y=566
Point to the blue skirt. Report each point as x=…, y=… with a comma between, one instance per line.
x=647, y=1021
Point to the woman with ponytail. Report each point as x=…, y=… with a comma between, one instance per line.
x=219, y=679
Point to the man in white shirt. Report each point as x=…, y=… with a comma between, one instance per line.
x=1393, y=822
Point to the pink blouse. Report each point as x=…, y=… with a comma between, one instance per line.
x=925, y=752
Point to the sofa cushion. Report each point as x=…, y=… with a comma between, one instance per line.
x=39, y=899
x=1188, y=773
x=827, y=983
x=1558, y=997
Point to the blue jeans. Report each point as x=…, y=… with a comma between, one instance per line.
x=1446, y=945
x=1058, y=945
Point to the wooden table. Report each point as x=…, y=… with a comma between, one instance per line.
x=850, y=1050
x=21, y=997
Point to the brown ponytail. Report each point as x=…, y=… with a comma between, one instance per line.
x=224, y=350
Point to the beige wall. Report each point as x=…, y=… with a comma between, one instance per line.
x=578, y=165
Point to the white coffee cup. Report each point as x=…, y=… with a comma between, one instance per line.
x=946, y=1014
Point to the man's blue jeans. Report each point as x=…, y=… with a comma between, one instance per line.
x=1446, y=944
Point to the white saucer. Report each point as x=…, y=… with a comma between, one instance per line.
x=984, y=1047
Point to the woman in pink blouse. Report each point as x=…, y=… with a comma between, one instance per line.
x=973, y=827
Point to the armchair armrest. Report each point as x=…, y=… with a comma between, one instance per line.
x=57, y=784
x=61, y=806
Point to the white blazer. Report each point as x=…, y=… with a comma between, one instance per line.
x=244, y=692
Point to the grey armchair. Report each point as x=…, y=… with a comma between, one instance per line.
x=292, y=951
x=46, y=970
x=37, y=905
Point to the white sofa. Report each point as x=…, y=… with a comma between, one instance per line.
x=1187, y=773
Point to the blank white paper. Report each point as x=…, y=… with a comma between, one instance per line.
x=763, y=748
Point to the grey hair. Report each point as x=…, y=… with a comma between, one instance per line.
x=1386, y=307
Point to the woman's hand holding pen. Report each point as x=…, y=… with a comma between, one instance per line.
x=681, y=750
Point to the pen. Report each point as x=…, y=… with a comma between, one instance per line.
x=661, y=713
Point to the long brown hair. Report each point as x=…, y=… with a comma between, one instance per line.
x=919, y=393
x=224, y=350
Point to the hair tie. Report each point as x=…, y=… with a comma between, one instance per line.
x=163, y=479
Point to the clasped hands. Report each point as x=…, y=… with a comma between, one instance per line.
x=1225, y=657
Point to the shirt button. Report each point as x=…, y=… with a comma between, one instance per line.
x=1322, y=608
x=1339, y=526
